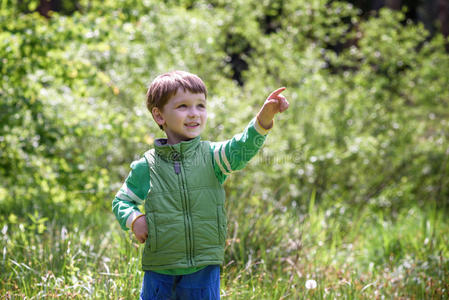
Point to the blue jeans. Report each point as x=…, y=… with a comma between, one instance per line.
x=201, y=285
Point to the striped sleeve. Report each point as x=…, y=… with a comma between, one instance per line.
x=232, y=155
x=132, y=194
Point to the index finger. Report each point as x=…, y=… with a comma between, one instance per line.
x=276, y=92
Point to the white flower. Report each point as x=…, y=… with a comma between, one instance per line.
x=310, y=284
x=64, y=233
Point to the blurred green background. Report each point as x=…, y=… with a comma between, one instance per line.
x=364, y=143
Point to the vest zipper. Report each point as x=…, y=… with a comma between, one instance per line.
x=177, y=167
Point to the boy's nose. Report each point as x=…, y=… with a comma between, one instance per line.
x=193, y=112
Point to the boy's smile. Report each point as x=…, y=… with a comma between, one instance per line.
x=183, y=117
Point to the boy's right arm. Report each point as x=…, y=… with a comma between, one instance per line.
x=131, y=194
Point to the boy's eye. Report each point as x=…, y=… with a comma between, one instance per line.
x=202, y=105
x=182, y=106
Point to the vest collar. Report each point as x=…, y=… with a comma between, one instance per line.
x=177, y=151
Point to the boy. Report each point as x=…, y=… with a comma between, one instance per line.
x=180, y=183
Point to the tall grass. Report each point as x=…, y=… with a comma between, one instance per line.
x=272, y=252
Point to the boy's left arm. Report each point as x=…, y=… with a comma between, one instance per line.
x=234, y=154
x=275, y=103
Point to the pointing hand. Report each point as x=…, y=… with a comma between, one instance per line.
x=275, y=103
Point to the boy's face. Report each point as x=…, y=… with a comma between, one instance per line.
x=183, y=117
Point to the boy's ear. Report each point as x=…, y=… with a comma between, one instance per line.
x=157, y=116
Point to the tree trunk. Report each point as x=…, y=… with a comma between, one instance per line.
x=44, y=8
x=443, y=16
x=393, y=4
x=46, y=5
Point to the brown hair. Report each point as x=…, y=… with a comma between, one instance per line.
x=166, y=85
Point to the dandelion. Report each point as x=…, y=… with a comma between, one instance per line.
x=310, y=284
x=5, y=229
x=64, y=233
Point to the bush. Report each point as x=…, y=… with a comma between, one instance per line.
x=367, y=122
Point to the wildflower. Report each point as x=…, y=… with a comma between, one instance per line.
x=310, y=284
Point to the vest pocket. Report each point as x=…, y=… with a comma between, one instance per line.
x=152, y=238
x=222, y=224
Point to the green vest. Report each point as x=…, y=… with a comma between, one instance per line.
x=184, y=208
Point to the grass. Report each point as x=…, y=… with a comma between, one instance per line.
x=349, y=253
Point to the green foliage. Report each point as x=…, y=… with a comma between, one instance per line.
x=365, y=138
x=268, y=257
x=363, y=125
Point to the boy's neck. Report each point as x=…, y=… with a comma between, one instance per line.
x=166, y=141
